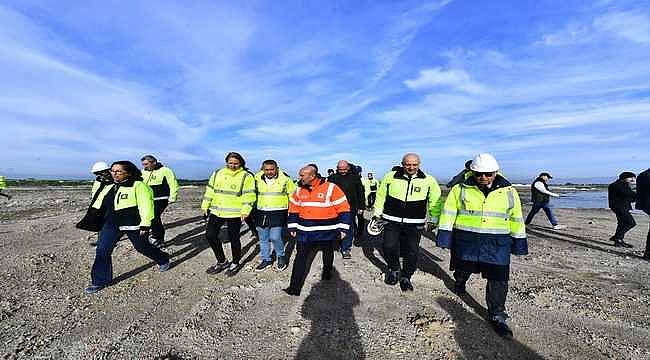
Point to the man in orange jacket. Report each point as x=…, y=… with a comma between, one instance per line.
x=319, y=215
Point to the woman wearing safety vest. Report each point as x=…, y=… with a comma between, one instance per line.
x=128, y=209
x=229, y=198
x=482, y=224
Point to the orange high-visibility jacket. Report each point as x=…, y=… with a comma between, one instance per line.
x=319, y=213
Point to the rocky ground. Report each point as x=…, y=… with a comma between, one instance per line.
x=573, y=297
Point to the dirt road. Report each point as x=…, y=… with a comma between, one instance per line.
x=573, y=297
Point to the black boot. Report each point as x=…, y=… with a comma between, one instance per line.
x=391, y=277
x=502, y=329
x=405, y=284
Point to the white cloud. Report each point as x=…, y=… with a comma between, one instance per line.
x=436, y=77
x=630, y=25
x=633, y=26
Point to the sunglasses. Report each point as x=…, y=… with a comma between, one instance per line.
x=486, y=174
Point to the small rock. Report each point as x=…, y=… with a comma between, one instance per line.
x=295, y=330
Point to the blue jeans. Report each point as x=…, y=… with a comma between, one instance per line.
x=274, y=235
x=102, y=271
x=535, y=209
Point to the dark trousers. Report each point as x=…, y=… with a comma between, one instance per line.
x=212, y=235
x=305, y=256
x=496, y=293
x=624, y=223
x=647, y=241
x=250, y=221
x=360, y=227
x=157, y=227
x=102, y=270
x=547, y=210
x=371, y=199
x=404, y=239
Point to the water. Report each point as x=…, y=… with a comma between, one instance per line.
x=581, y=200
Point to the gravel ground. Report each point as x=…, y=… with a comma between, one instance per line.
x=573, y=297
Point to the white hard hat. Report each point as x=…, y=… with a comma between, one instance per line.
x=99, y=166
x=484, y=163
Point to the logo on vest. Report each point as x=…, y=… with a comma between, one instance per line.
x=417, y=189
x=124, y=196
x=320, y=195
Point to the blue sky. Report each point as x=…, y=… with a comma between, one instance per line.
x=543, y=85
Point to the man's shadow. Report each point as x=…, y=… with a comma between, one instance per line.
x=477, y=340
x=334, y=332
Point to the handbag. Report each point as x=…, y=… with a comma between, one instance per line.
x=94, y=218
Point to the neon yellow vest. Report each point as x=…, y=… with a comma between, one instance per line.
x=229, y=194
x=467, y=208
x=276, y=196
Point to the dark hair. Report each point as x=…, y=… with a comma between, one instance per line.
x=626, y=175
x=132, y=170
x=237, y=156
x=315, y=166
x=330, y=171
x=149, y=157
x=269, y=162
x=468, y=163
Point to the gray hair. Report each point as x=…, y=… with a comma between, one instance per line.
x=411, y=155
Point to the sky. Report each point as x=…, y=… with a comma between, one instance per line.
x=553, y=86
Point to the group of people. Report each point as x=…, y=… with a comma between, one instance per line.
x=480, y=221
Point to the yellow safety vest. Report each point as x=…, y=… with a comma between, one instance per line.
x=229, y=194
x=276, y=196
x=467, y=208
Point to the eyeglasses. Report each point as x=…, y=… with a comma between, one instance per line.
x=486, y=174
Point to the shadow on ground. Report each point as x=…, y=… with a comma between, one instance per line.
x=477, y=340
x=334, y=332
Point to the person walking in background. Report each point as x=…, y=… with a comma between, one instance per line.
x=162, y=181
x=273, y=190
x=620, y=197
x=482, y=224
x=643, y=203
x=228, y=199
x=102, y=184
x=461, y=176
x=370, y=186
x=404, y=199
x=319, y=214
x=349, y=181
x=3, y=185
x=128, y=209
x=541, y=196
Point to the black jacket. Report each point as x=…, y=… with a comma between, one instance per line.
x=620, y=196
x=538, y=197
x=643, y=191
x=352, y=187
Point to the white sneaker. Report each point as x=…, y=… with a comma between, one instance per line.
x=559, y=227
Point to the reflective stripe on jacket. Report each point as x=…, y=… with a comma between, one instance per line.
x=319, y=212
x=407, y=199
x=274, y=197
x=486, y=229
x=162, y=181
x=229, y=194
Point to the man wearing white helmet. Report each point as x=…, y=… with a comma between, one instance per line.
x=482, y=224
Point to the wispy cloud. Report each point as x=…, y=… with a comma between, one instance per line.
x=454, y=78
